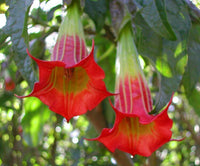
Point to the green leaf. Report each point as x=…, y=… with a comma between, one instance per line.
x=169, y=57
x=154, y=13
x=16, y=27
x=36, y=114
x=163, y=15
x=176, y=51
x=192, y=74
x=97, y=12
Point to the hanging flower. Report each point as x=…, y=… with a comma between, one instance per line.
x=135, y=131
x=9, y=84
x=72, y=82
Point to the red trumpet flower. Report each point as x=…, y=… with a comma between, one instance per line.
x=72, y=82
x=135, y=131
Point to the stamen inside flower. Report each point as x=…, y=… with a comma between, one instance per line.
x=68, y=73
x=70, y=80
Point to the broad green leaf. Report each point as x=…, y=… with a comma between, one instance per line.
x=160, y=4
x=97, y=12
x=192, y=73
x=36, y=114
x=169, y=57
x=154, y=13
x=16, y=27
x=176, y=50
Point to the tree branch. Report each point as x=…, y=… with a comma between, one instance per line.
x=189, y=127
x=56, y=139
x=98, y=120
x=17, y=150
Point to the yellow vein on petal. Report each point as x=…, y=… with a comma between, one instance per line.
x=127, y=129
x=119, y=98
x=149, y=100
x=147, y=97
x=50, y=85
x=75, y=58
x=86, y=52
x=63, y=51
x=65, y=90
x=131, y=97
x=67, y=106
x=136, y=122
x=80, y=49
x=76, y=83
x=119, y=91
x=141, y=92
x=57, y=49
x=70, y=95
x=131, y=129
x=54, y=77
x=125, y=97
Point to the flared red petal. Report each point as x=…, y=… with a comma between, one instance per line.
x=133, y=137
x=70, y=91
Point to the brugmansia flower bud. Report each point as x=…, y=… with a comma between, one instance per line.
x=135, y=131
x=71, y=83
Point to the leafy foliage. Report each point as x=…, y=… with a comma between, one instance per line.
x=97, y=9
x=154, y=13
x=169, y=57
x=16, y=27
x=192, y=75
